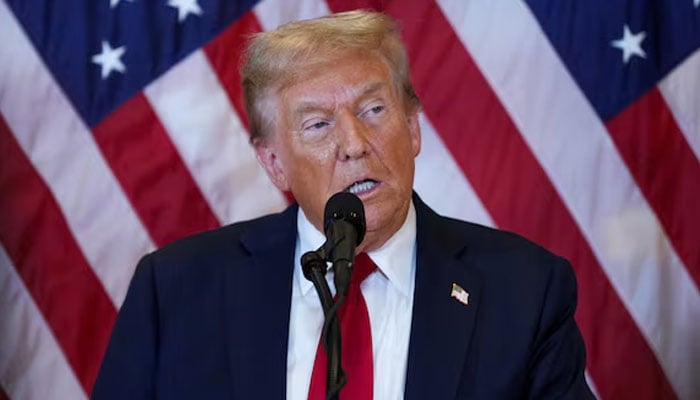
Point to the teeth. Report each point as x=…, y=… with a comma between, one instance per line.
x=358, y=187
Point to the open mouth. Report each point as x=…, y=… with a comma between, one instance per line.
x=361, y=186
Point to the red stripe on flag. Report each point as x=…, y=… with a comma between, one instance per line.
x=666, y=170
x=51, y=264
x=340, y=6
x=224, y=53
x=152, y=173
x=503, y=171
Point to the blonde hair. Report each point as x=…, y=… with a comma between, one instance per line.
x=274, y=58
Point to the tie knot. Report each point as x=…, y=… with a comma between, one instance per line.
x=362, y=268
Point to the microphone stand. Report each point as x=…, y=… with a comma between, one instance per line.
x=344, y=226
x=314, y=267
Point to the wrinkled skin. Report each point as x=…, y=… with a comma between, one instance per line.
x=338, y=124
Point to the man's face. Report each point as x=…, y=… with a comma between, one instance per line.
x=342, y=127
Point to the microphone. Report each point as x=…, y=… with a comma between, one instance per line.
x=344, y=225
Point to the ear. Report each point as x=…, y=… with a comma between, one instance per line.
x=414, y=131
x=266, y=153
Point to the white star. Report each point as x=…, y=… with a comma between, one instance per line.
x=114, y=3
x=110, y=59
x=630, y=44
x=185, y=7
x=697, y=3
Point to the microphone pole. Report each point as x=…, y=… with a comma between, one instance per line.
x=344, y=226
x=314, y=267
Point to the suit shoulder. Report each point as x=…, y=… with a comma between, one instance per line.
x=227, y=240
x=510, y=263
x=490, y=245
x=503, y=252
x=490, y=239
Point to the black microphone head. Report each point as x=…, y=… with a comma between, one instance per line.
x=347, y=207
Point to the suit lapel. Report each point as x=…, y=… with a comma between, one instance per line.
x=258, y=296
x=442, y=326
x=258, y=292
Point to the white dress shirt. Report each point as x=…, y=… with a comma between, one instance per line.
x=388, y=292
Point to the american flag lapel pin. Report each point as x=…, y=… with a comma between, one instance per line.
x=460, y=294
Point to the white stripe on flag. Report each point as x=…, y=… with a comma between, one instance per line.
x=574, y=148
x=441, y=183
x=680, y=90
x=211, y=140
x=273, y=13
x=62, y=149
x=32, y=365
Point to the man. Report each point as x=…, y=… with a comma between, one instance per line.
x=455, y=310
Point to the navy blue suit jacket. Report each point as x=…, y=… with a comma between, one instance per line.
x=208, y=317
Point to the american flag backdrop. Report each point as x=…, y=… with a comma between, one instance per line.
x=573, y=123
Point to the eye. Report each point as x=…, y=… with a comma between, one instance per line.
x=318, y=125
x=315, y=125
x=376, y=109
x=315, y=129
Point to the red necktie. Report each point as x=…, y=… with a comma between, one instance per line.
x=356, y=338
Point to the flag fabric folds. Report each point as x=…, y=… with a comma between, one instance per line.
x=575, y=124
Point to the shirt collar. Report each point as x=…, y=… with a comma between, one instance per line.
x=395, y=259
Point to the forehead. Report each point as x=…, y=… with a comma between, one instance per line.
x=313, y=101
x=339, y=80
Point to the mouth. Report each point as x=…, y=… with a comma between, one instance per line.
x=362, y=186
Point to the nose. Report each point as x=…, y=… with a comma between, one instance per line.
x=353, y=137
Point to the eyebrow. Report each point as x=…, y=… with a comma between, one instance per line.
x=363, y=92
